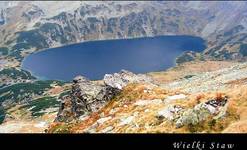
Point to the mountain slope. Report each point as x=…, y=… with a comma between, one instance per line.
x=207, y=102
x=222, y=24
x=199, y=96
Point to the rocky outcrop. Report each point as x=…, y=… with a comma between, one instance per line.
x=121, y=79
x=170, y=112
x=144, y=108
x=214, y=108
x=87, y=96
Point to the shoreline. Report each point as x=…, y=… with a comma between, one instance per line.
x=105, y=40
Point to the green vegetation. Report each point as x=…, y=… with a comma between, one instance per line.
x=37, y=25
x=2, y=115
x=61, y=128
x=4, y=51
x=15, y=73
x=188, y=76
x=186, y=57
x=40, y=104
x=21, y=46
x=27, y=40
x=25, y=91
x=234, y=30
x=56, y=30
x=243, y=49
x=17, y=55
x=212, y=123
x=64, y=93
x=32, y=38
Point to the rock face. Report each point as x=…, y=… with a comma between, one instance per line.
x=87, y=96
x=84, y=98
x=201, y=111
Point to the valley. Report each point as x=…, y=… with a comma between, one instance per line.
x=196, y=90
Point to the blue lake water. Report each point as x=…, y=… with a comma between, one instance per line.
x=96, y=58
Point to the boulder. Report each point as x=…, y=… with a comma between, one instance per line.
x=170, y=112
x=80, y=79
x=214, y=108
x=126, y=121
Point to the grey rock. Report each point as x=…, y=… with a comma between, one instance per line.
x=200, y=112
x=87, y=96
x=170, y=112
x=102, y=120
x=188, y=117
x=126, y=120
x=107, y=129
x=121, y=79
x=80, y=79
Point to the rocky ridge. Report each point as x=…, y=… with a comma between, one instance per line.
x=87, y=96
x=142, y=106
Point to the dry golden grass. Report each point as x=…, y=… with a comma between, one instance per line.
x=137, y=91
x=18, y=113
x=238, y=82
x=239, y=102
x=239, y=97
x=145, y=116
x=56, y=90
x=237, y=127
x=27, y=125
